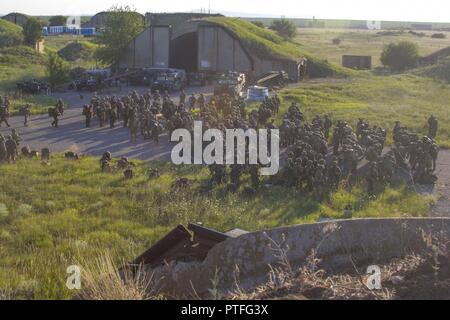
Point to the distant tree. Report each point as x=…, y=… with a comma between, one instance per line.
x=122, y=25
x=259, y=24
x=57, y=69
x=439, y=36
x=337, y=41
x=400, y=56
x=284, y=28
x=32, y=31
x=58, y=21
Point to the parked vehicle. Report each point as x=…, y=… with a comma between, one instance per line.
x=232, y=83
x=197, y=79
x=33, y=87
x=91, y=80
x=170, y=80
x=273, y=79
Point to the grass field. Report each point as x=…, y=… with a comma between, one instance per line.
x=361, y=42
x=56, y=43
x=71, y=211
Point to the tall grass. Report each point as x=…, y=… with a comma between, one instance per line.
x=56, y=216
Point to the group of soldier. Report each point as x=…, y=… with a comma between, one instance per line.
x=311, y=166
x=148, y=114
x=320, y=154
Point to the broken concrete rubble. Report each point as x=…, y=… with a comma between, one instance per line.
x=341, y=245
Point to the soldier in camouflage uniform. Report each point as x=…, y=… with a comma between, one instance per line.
x=4, y=115
x=87, y=112
x=334, y=174
x=11, y=149
x=3, y=151
x=432, y=127
x=16, y=137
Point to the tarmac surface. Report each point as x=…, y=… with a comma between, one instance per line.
x=72, y=135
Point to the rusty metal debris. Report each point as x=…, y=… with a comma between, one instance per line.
x=184, y=244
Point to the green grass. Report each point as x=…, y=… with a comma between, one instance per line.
x=379, y=99
x=10, y=34
x=440, y=71
x=67, y=44
x=70, y=211
x=349, y=24
x=19, y=63
x=361, y=42
x=39, y=104
x=267, y=44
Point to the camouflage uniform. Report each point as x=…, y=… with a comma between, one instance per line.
x=3, y=151
x=432, y=127
x=11, y=149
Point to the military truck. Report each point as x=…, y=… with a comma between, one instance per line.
x=33, y=87
x=91, y=80
x=231, y=83
x=170, y=80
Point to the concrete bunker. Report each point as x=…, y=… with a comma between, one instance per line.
x=200, y=46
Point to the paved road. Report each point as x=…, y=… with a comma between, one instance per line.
x=73, y=136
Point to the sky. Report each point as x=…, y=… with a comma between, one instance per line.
x=396, y=10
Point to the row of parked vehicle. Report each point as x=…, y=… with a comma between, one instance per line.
x=167, y=80
x=161, y=79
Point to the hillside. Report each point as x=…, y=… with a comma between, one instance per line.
x=75, y=51
x=10, y=34
x=17, y=63
x=267, y=44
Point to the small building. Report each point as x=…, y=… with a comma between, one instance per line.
x=422, y=26
x=357, y=62
x=374, y=25
x=16, y=18
x=39, y=46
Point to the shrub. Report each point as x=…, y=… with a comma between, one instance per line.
x=336, y=41
x=77, y=50
x=439, y=36
x=400, y=56
x=258, y=24
x=57, y=70
x=58, y=21
x=121, y=26
x=32, y=31
x=284, y=28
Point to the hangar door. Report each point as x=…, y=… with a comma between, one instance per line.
x=219, y=50
x=151, y=48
